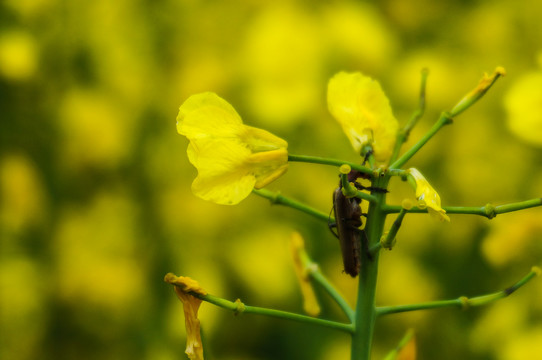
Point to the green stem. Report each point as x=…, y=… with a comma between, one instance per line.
x=399, y=172
x=327, y=161
x=489, y=211
x=319, y=278
x=461, y=302
x=239, y=307
x=501, y=209
x=277, y=198
x=365, y=307
x=444, y=119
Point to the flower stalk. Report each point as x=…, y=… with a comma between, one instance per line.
x=328, y=161
x=462, y=302
x=489, y=211
x=277, y=198
x=239, y=308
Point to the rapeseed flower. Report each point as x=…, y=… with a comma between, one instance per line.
x=231, y=158
x=358, y=103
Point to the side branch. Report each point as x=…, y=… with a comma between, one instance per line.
x=444, y=119
x=463, y=301
x=332, y=162
x=489, y=211
x=238, y=307
x=277, y=198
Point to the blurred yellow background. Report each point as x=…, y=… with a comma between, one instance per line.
x=95, y=201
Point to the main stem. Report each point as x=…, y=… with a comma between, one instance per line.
x=365, y=316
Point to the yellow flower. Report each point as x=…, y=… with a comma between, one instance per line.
x=358, y=103
x=297, y=246
x=183, y=286
x=427, y=196
x=231, y=158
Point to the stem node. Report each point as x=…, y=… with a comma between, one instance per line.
x=239, y=307
x=490, y=211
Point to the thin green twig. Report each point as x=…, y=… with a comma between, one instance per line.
x=277, y=198
x=403, y=133
x=444, y=119
x=327, y=161
x=238, y=307
x=489, y=211
x=463, y=301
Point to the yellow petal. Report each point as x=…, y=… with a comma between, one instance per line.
x=223, y=176
x=191, y=304
x=358, y=103
x=268, y=166
x=227, y=171
x=207, y=115
x=427, y=196
x=194, y=348
x=185, y=283
x=261, y=140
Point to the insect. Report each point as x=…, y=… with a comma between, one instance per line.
x=348, y=215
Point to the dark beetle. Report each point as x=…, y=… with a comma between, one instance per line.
x=348, y=221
